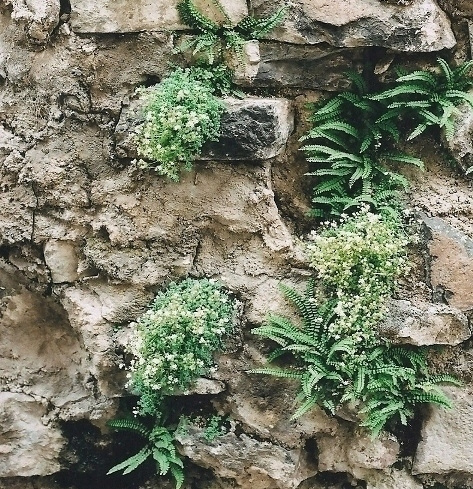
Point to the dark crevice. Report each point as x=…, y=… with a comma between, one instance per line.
x=65, y=7
x=151, y=80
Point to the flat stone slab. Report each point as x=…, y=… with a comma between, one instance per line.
x=252, y=129
x=445, y=444
x=424, y=324
x=109, y=16
x=420, y=26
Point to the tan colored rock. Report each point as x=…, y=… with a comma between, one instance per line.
x=41, y=16
x=419, y=26
x=391, y=479
x=62, y=260
x=451, y=265
x=27, y=446
x=350, y=450
x=424, y=324
x=144, y=15
x=249, y=462
x=446, y=436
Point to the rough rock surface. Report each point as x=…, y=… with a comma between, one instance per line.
x=446, y=436
x=260, y=465
x=424, y=324
x=460, y=145
x=419, y=26
x=28, y=446
x=121, y=16
x=451, y=267
x=251, y=129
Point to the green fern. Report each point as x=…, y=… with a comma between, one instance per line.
x=232, y=37
x=159, y=445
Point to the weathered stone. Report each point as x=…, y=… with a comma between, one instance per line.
x=457, y=8
x=144, y=15
x=446, y=436
x=28, y=446
x=203, y=386
x=245, y=69
x=252, y=129
x=429, y=324
x=61, y=258
x=461, y=143
x=41, y=16
x=311, y=67
x=419, y=26
x=250, y=463
x=390, y=479
x=350, y=450
x=451, y=266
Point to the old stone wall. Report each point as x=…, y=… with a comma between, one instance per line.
x=87, y=239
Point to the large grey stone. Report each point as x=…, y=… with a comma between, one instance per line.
x=143, y=15
x=424, y=324
x=27, y=446
x=252, y=129
x=249, y=462
x=312, y=67
x=419, y=26
x=62, y=260
x=445, y=444
x=390, y=479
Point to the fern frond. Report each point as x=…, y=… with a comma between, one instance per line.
x=132, y=462
x=129, y=425
x=178, y=475
x=193, y=17
x=304, y=408
x=448, y=73
x=162, y=461
x=419, y=76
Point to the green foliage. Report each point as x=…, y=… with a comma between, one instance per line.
x=359, y=261
x=429, y=98
x=212, y=36
x=159, y=445
x=214, y=428
x=337, y=354
x=173, y=342
x=355, y=136
x=181, y=114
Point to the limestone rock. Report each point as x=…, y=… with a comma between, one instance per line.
x=307, y=66
x=41, y=17
x=28, y=447
x=144, y=15
x=249, y=462
x=451, y=265
x=457, y=8
x=390, y=479
x=251, y=129
x=419, y=26
x=61, y=258
x=429, y=324
x=446, y=436
x=203, y=386
x=352, y=450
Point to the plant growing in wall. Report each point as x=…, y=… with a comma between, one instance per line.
x=172, y=344
x=337, y=355
x=355, y=135
x=180, y=115
x=214, y=37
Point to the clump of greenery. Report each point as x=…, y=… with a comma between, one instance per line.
x=233, y=36
x=430, y=98
x=338, y=356
x=355, y=136
x=159, y=445
x=358, y=262
x=172, y=345
x=174, y=341
x=181, y=114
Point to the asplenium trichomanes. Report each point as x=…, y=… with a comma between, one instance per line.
x=355, y=136
x=336, y=353
x=213, y=37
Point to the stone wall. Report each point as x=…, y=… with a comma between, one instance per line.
x=86, y=240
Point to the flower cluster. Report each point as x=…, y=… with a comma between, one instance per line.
x=359, y=261
x=173, y=342
x=181, y=114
